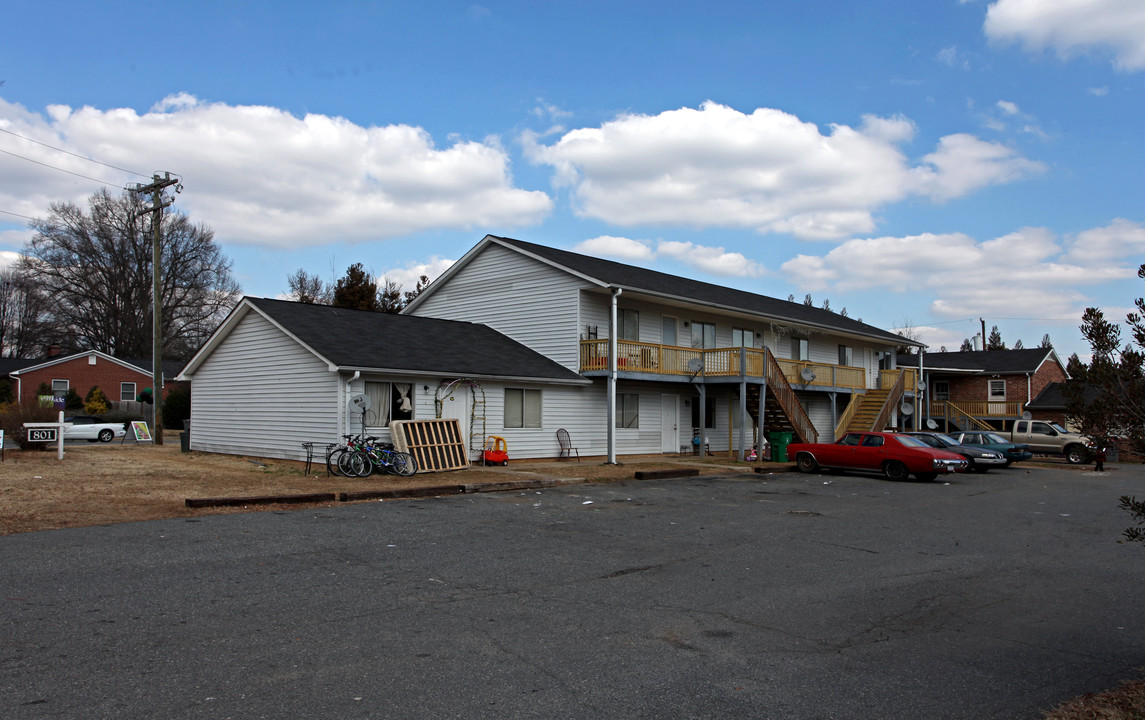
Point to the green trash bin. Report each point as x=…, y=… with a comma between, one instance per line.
x=779, y=442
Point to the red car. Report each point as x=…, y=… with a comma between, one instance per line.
x=891, y=454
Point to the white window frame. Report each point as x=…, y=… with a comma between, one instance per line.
x=993, y=396
x=627, y=411
x=61, y=391
x=518, y=414
x=130, y=396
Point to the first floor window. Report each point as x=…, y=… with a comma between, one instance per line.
x=941, y=390
x=522, y=408
x=60, y=387
x=627, y=410
x=388, y=402
x=126, y=392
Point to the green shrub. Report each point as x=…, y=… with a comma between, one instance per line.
x=96, y=402
x=72, y=400
x=177, y=407
x=16, y=414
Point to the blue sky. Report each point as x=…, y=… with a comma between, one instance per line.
x=924, y=164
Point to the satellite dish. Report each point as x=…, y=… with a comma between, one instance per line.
x=906, y=409
x=932, y=424
x=807, y=374
x=1027, y=415
x=360, y=402
x=695, y=365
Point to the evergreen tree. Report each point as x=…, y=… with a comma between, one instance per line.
x=356, y=289
x=390, y=297
x=95, y=402
x=994, y=342
x=808, y=301
x=967, y=346
x=1018, y=344
x=1046, y=344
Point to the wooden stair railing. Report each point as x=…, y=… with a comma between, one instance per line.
x=785, y=396
x=959, y=412
x=892, y=399
x=848, y=414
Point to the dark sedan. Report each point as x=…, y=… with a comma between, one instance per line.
x=993, y=441
x=980, y=459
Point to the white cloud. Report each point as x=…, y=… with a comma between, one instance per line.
x=1120, y=240
x=8, y=259
x=259, y=175
x=708, y=259
x=768, y=171
x=617, y=248
x=409, y=275
x=1071, y=27
x=965, y=278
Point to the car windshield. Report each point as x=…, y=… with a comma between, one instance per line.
x=946, y=439
x=997, y=439
x=910, y=441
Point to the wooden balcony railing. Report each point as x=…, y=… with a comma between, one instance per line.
x=975, y=410
x=889, y=378
x=641, y=357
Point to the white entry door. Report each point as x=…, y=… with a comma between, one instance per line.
x=456, y=407
x=669, y=424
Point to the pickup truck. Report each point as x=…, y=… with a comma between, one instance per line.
x=1051, y=439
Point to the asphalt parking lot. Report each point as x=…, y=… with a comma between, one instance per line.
x=763, y=596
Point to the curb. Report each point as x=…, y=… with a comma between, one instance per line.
x=418, y=492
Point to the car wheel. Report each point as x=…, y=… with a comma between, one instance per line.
x=895, y=470
x=806, y=463
x=106, y=435
x=1075, y=454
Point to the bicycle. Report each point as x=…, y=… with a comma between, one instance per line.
x=384, y=456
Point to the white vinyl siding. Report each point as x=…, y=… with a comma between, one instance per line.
x=531, y=302
x=260, y=393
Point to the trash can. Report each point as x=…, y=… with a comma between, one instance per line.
x=185, y=437
x=779, y=442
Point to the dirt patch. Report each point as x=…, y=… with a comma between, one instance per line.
x=101, y=484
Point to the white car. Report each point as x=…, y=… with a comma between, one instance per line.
x=86, y=427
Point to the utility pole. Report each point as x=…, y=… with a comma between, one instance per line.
x=158, y=202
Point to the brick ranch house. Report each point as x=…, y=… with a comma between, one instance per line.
x=120, y=380
x=990, y=387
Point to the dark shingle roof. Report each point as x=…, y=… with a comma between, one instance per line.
x=9, y=365
x=638, y=278
x=385, y=341
x=991, y=361
x=1053, y=397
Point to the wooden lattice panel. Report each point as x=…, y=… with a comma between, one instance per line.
x=435, y=444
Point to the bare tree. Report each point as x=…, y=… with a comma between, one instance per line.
x=25, y=328
x=95, y=266
x=310, y=289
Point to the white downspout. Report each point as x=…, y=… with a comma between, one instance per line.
x=612, y=364
x=343, y=412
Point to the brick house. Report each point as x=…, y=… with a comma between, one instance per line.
x=120, y=380
x=985, y=386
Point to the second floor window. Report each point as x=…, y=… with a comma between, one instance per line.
x=743, y=338
x=846, y=355
x=997, y=389
x=629, y=325
x=703, y=335
x=799, y=349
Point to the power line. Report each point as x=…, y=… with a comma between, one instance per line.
x=69, y=172
x=68, y=152
x=9, y=212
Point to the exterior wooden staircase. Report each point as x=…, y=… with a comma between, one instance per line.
x=870, y=407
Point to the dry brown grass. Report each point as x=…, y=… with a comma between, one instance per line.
x=100, y=484
x=1125, y=702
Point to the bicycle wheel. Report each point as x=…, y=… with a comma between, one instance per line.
x=333, y=459
x=406, y=464
x=361, y=464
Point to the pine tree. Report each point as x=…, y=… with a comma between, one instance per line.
x=1046, y=344
x=967, y=346
x=356, y=290
x=95, y=402
x=995, y=340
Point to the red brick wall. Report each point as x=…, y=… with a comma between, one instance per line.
x=975, y=388
x=82, y=376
